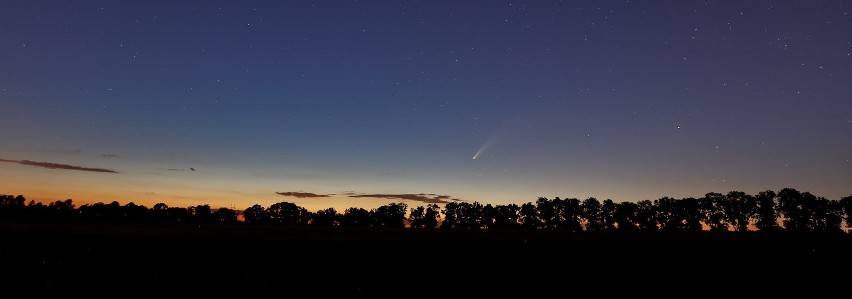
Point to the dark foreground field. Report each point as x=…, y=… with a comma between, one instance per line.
x=125, y=259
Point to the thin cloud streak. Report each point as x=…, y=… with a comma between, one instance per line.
x=50, y=165
x=303, y=194
x=422, y=197
x=428, y=198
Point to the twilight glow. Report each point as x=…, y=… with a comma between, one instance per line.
x=340, y=104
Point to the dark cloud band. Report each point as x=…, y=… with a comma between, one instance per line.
x=425, y=198
x=302, y=194
x=50, y=165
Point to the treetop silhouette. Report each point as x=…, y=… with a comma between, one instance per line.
x=789, y=209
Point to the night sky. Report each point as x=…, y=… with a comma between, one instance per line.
x=361, y=103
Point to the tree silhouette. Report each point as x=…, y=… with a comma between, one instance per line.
x=798, y=211
x=646, y=215
x=827, y=215
x=792, y=205
x=12, y=207
x=506, y=216
x=415, y=218
x=132, y=212
x=529, y=216
x=572, y=212
x=846, y=205
x=327, y=217
x=486, y=216
x=112, y=212
x=670, y=214
x=714, y=215
x=179, y=215
x=160, y=213
x=559, y=214
x=472, y=215
x=739, y=208
x=61, y=209
x=608, y=214
x=424, y=217
x=356, y=217
x=766, y=211
x=390, y=215
x=12, y=201
x=451, y=211
x=432, y=216
x=91, y=212
x=287, y=213
x=225, y=216
x=36, y=210
x=463, y=215
x=834, y=216
x=625, y=213
x=803, y=212
x=202, y=214
x=592, y=214
x=255, y=214
x=548, y=212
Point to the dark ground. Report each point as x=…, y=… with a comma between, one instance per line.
x=128, y=259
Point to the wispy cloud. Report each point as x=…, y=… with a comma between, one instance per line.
x=303, y=194
x=180, y=169
x=50, y=165
x=419, y=197
x=422, y=197
x=109, y=155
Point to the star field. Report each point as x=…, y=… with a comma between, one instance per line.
x=496, y=102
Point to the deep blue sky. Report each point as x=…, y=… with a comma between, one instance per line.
x=626, y=100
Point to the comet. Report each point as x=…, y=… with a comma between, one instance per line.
x=484, y=147
x=478, y=152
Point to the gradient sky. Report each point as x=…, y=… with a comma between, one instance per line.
x=231, y=103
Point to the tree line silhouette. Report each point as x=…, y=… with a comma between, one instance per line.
x=789, y=210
